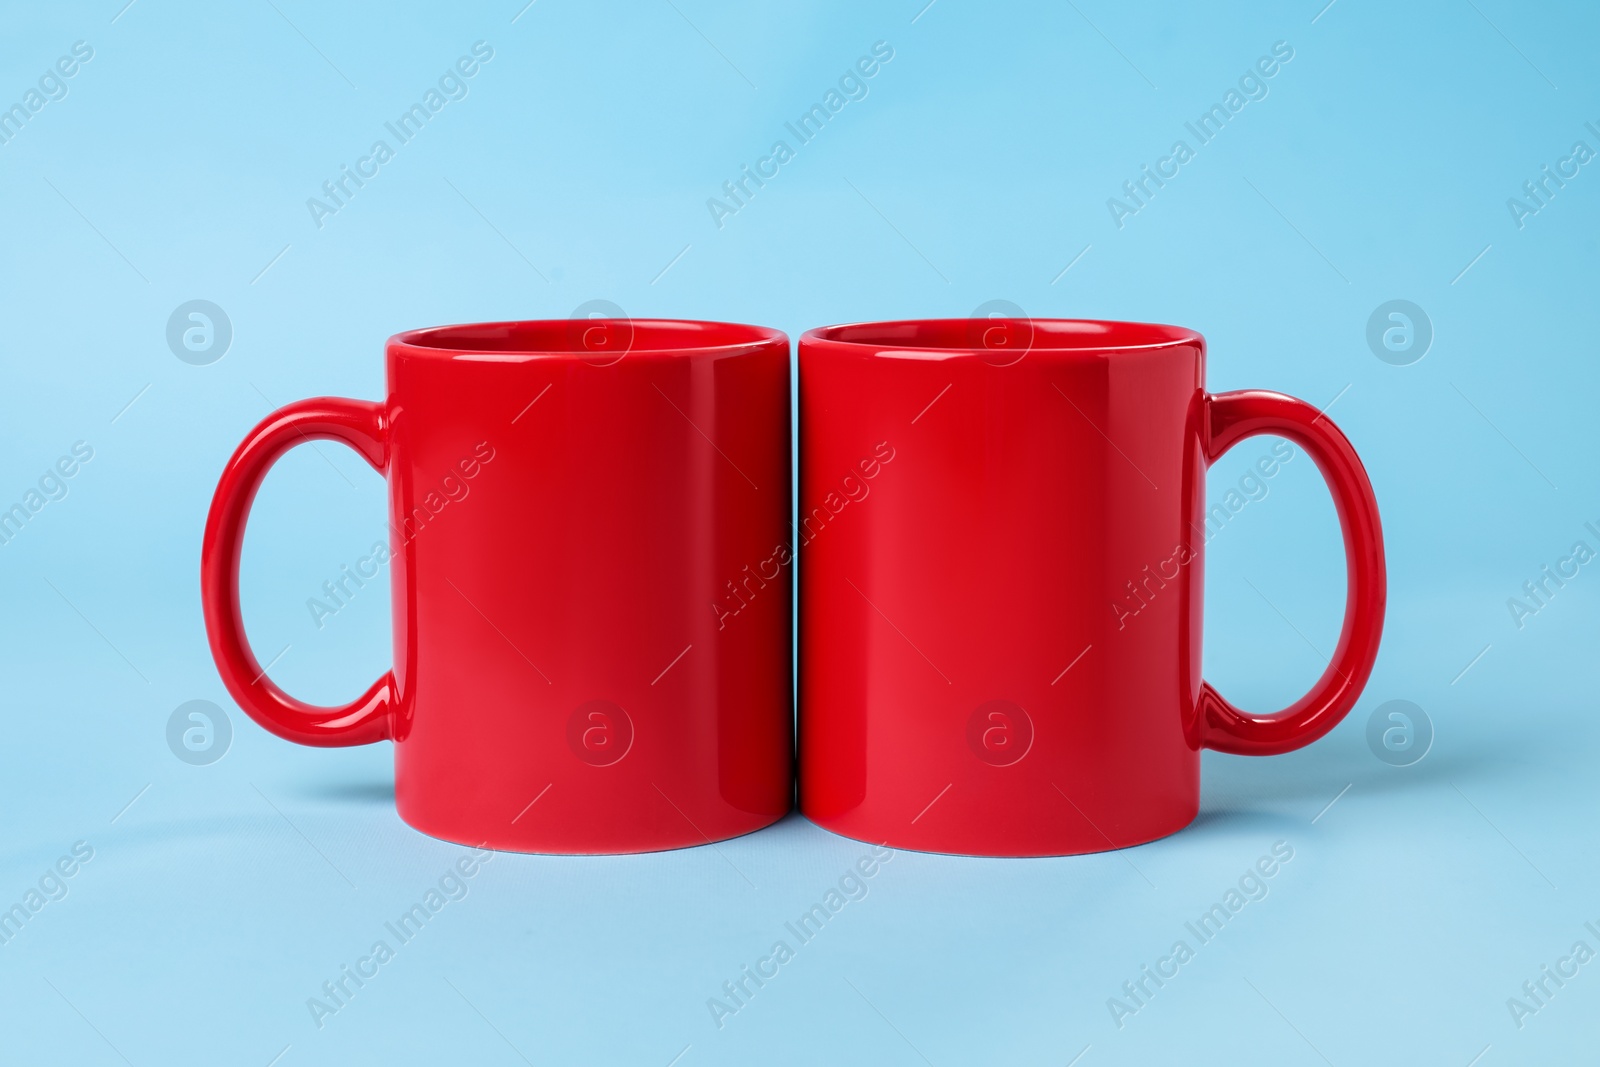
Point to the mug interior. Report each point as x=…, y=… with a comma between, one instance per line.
x=966, y=335
x=584, y=336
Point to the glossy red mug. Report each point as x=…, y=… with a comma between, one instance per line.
x=1001, y=538
x=592, y=638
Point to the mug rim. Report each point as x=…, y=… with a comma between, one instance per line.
x=963, y=336
x=562, y=338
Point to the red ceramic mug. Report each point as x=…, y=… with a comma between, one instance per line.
x=1000, y=532
x=592, y=636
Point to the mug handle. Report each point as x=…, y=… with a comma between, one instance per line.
x=364, y=427
x=1230, y=418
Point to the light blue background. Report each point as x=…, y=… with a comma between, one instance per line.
x=578, y=168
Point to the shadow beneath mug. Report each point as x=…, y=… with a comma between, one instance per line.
x=355, y=794
x=1240, y=790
